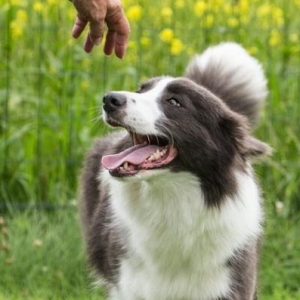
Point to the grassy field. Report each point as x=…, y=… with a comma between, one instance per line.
x=50, y=93
x=42, y=257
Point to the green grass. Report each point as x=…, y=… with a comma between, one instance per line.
x=50, y=94
x=42, y=257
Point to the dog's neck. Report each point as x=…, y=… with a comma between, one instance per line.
x=172, y=234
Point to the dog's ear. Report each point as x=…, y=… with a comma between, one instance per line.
x=256, y=148
x=237, y=129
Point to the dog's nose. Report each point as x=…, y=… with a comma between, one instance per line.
x=113, y=101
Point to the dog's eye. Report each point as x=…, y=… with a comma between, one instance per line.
x=174, y=102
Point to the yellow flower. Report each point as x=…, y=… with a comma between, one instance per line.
x=176, y=46
x=38, y=6
x=5, y=7
x=215, y=5
x=277, y=16
x=295, y=49
x=190, y=51
x=264, y=10
x=132, y=45
x=70, y=42
x=70, y=13
x=209, y=20
x=294, y=38
x=22, y=16
x=84, y=85
x=252, y=50
x=134, y=13
x=18, y=2
x=267, y=12
x=227, y=8
x=53, y=2
x=166, y=12
x=275, y=38
x=244, y=19
x=16, y=30
x=166, y=35
x=233, y=22
x=179, y=3
x=18, y=25
x=243, y=7
x=145, y=41
x=200, y=8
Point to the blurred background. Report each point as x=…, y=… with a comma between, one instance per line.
x=50, y=97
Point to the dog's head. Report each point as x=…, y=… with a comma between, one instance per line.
x=175, y=123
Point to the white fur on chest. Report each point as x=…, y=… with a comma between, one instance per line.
x=178, y=247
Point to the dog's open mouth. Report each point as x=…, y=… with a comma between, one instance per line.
x=147, y=152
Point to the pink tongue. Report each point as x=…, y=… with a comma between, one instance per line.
x=134, y=155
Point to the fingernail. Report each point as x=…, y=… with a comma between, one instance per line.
x=98, y=41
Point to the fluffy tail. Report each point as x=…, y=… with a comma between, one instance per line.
x=233, y=75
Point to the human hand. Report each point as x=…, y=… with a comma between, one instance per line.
x=97, y=13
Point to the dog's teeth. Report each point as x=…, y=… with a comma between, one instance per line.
x=156, y=154
x=163, y=152
x=125, y=165
x=151, y=157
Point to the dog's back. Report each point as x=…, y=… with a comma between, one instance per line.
x=159, y=234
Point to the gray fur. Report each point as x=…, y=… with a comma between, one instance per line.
x=242, y=87
x=106, y=243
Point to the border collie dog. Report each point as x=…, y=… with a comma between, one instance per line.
x=170, y=205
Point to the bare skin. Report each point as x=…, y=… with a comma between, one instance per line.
x=96, y=13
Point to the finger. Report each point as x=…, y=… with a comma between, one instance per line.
x=78, y=27
x=109, y=42
x=121, y=41
x=88, y=44
x=96, y=31
x=118, y=23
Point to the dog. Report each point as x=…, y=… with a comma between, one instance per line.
x=170, y=204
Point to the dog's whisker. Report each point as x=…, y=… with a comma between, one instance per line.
x=168, y=134
x=157, y=139
x=149, y=140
